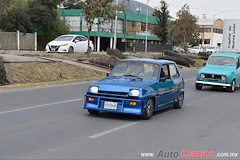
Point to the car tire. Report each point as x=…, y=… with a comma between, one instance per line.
x=71, y=50
x=179, y=103
x=232, y=87
x=149, y=109
x=93, y=112
x=198, y=86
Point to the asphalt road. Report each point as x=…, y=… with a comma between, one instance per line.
x=50, y=123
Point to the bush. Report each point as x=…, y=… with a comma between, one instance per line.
x=178, y=60
x=3, y=78
x=105, y=61
x=204, y=55
x=116, y=53
x=183, y=58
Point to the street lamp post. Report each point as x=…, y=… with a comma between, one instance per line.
x=146, y=28
x=115, y=29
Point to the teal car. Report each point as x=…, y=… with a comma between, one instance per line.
x=222, y=69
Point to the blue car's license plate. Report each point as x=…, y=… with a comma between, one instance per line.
x=110, y=105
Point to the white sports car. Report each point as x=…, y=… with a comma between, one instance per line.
x=69, y=44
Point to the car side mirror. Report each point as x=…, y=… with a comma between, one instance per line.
x=76, y=41
x=163, y=79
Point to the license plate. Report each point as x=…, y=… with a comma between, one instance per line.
x=110, y=105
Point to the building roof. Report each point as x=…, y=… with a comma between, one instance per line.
x=205, y=22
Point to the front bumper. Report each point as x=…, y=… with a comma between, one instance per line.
x=213, y=83
x=123, y=105
x=58, y=49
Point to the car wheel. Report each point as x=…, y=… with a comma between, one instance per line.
x=71, y=50
x=198, y=86
x=179, y=103
x=149, y=109
x=232, y=87
x=93, y=112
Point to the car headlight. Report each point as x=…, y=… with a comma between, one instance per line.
x=94, y=89
x=134, y=92
x=223, y=78
x=202, y=75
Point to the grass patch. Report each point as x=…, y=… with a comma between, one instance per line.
x=22, y=73
x=73, y=56
x=199, y=63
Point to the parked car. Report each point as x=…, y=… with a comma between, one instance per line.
x=222, y=69
x=178, y=49
x=196, y=50
x=137, y=87
x=212, y=50
x=69, y=44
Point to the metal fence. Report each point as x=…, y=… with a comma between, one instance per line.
x=18, y=41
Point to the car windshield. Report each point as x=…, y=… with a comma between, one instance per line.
x=226, y=61
x=142, y=70
x=64, y=38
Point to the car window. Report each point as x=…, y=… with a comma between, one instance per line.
x=173, y=71
x=77, y=38
x=220, y=60
x=83, y=39
x=164, y=72
x=64, y=38
x=142, y=70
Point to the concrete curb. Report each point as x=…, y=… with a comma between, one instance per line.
x=29, y=85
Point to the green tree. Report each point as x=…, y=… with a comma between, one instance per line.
x=162, y=28
x=45, y=19
x=185, y=29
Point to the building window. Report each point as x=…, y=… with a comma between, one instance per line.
x=206, y=41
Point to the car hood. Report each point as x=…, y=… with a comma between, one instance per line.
x=217, y=69
x=57, y=43
x=121, y=84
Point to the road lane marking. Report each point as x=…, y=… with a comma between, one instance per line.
x=39, y=106
x=112, y=130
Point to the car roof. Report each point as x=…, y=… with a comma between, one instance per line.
x=72, y=35
x=156, y=61
x=233, y=55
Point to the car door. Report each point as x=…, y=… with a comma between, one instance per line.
x=164, y=97
x=176, y=79
x=238, y=71
x=76, y=44
x=84, y=44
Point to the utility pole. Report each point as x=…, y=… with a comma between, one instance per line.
x=146, y=28
x=115, y=29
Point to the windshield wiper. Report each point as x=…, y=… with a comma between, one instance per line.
x=129, y=75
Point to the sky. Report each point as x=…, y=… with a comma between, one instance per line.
x=224, y=9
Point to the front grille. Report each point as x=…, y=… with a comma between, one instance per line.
x=113, y=93
x=53, y=48
x=213, y=77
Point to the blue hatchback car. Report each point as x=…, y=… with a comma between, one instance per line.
x=222, y=69
x=138, y=87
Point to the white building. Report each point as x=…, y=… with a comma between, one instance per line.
x=211, y=33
